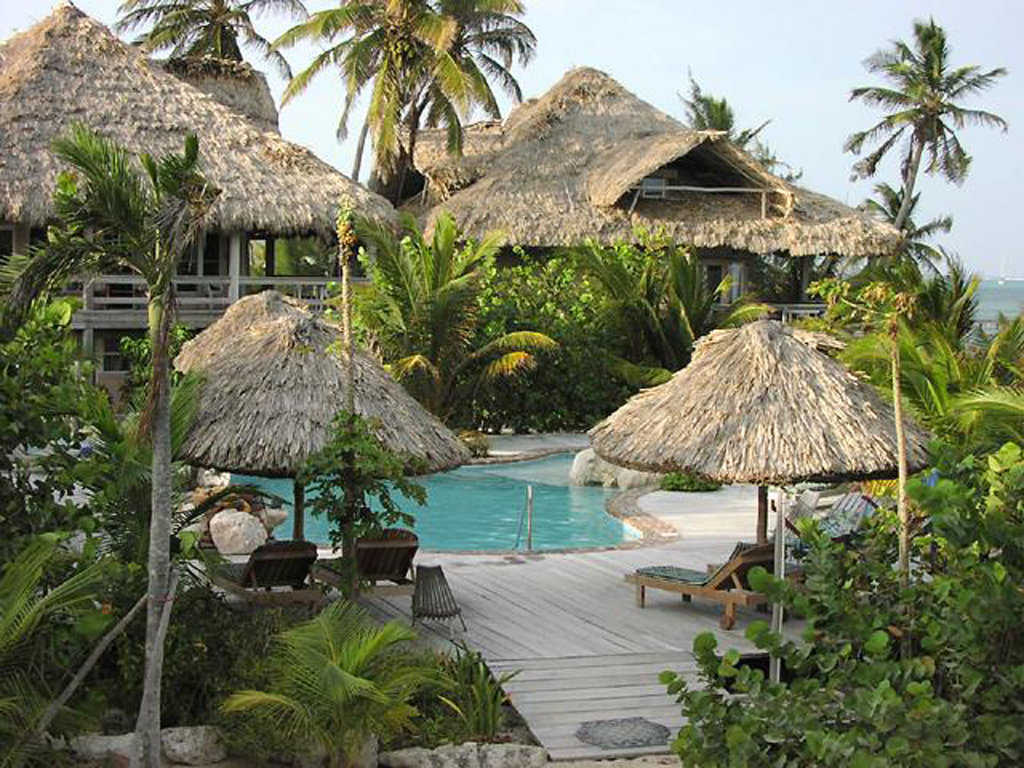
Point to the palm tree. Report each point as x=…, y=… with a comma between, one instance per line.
x=23, y=607
x=140, y=215
x=658, y=294
x=425, y=62
x=337, y=682
x=923, y=110
x=216, y=28
x=888, y=205
x=421, y=309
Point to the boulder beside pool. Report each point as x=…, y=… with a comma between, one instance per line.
x=590, y=469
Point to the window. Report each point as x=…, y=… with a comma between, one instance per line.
x=653, y=188
x=211, y=255
x=714, y=274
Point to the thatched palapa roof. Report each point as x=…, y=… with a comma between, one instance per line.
x=70, y=68
x=273, y=381
x=759, y=405
x=564, y=167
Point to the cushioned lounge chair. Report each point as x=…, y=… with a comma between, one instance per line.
x=383, y=562
x=727, y=584
x=276, y=573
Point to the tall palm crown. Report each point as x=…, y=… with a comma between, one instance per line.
x=214, y=28
x=705, y=112
x=923, y=110
x=424, y=60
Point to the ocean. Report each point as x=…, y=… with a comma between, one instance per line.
x=995, y=298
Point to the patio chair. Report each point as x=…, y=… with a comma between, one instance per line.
x=384, y=562
x=271, y=567
x=726, y=585
x=433, y=598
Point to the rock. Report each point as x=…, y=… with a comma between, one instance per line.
x=211, y=478
x=512, y=756
x=590, y=469
x=271, y=517
x=367, y=758
x=468, y=755
x=236, y=533
x=114, y=749
x=196, y=745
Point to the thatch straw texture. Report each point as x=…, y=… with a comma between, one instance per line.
x=235, y=84
x=70, y=68
x=273, y=381
x=758, y=405
x=563, y=166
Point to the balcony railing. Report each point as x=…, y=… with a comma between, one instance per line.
x=126, y=293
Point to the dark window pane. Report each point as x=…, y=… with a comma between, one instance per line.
x=6, y=244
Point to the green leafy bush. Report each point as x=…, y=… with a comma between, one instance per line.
x=688, y=482
x=927, y=676
x=574, y=386
x=477, y=442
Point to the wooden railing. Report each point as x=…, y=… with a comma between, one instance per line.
x=119, y=293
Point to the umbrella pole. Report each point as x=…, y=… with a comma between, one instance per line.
x=762, y=514
x=775, y=665
x=298, y=511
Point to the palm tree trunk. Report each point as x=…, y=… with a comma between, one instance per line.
x=901, y=460
x=909, y=181
x=147, y=727
x=414, y=126
x=360, y=147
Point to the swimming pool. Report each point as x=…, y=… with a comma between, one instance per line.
x=478, y=508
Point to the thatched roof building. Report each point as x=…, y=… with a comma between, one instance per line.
x=759, y=405
x=235, y=84
x=590, y=159
x=70, y=68
x=273, y=381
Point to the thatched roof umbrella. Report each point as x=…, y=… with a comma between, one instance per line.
x=760, y=405
x=566, y=166
x=70, y=68
x=273, y=381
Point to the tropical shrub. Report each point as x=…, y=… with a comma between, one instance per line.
x=473, y=693
x=45, y=428
x=350, y=470
x=688, y=482
x=27, y=608
x=657, y=297
x=138, y=350
x=930, y=674
x=421, y=312
x=336, y=681
x=575, y=387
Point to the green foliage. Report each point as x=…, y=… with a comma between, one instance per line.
x=198, y=29
x=138, y=350
x=923, y=676
x=477, y=443
x=45, y=428
x=421, y=309
x=657, y=297
x=574, y=388
x=474, y=694
x=351, y=472
x=212, y=650
x=336, y=681
x=689, y=482
x=27, y=606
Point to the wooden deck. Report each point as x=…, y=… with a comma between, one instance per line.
x=570, y=624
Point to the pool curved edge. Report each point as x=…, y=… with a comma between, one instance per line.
x=623, y=506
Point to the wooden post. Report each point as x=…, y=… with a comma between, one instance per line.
x=762, y=514
x=775, y=664
x=234, y=265
x=298, y=511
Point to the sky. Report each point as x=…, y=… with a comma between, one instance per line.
x=793, y=62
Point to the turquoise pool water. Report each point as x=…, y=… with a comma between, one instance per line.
x=478, y=508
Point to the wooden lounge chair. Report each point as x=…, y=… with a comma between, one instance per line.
x=384, y=562
x=276, y=564
x=433, y=598
x=726, y=585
